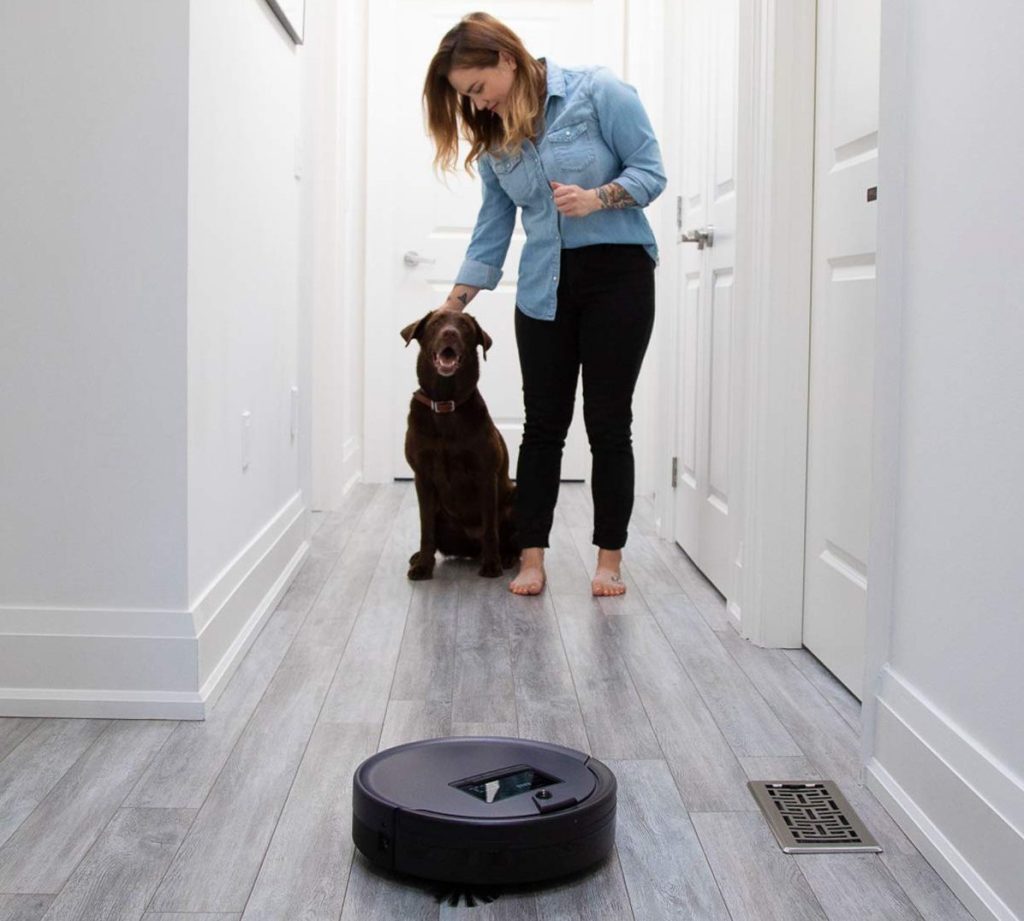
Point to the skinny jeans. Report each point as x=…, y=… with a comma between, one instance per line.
x=602, y=325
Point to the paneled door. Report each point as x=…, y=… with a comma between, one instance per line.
x=706, y=221
x=842, y=331
x=418, y=225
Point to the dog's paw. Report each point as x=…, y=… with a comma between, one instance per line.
x=419, y=571
x=490, y=569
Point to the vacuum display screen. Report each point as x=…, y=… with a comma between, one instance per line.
x=502, y=785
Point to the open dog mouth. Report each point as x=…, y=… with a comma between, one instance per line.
x=447, y=361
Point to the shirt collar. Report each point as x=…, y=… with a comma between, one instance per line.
x=556, y=78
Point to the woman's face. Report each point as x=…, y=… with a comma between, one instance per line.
x=486, y=87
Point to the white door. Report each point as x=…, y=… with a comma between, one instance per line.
x=411, y=210
x=842, y=330
x=706, y=205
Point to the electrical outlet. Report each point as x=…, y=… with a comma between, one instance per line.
x=246, y=432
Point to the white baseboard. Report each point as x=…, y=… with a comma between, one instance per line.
x=247, y=592
x=961, y=807
x=138, y=664
x=735, y=616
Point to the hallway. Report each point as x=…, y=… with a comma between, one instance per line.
x=247, y=815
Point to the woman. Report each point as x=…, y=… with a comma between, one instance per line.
x=574, y=149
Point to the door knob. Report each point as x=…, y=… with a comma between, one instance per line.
x=704, y=236
x=413, y=258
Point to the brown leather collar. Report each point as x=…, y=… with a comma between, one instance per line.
x=441, y=406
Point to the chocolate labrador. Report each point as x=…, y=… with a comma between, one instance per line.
x=457, y=454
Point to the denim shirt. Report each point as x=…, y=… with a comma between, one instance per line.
x=596, y=131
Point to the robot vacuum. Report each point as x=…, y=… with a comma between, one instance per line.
x=483, y=810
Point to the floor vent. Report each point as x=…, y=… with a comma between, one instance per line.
x=812, y=817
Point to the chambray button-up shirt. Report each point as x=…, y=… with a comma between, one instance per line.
x=596, y=132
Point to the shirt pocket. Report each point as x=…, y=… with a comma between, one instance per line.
x=572, y=146
x=512, y=177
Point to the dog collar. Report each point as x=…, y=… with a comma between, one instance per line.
x=438, y=406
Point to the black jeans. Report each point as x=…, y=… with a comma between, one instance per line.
x=602, y=324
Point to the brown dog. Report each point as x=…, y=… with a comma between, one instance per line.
x=458, y=455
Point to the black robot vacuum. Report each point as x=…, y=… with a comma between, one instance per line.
x=483, y=810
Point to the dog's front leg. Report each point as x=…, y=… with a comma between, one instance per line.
x=490, y=561
x=421, y=563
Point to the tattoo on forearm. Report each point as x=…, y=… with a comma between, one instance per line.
x=464, y=297
x=613, y=195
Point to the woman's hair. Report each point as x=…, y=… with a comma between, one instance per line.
x=475, y=42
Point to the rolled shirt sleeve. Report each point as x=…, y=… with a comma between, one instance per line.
x=627, y=130
x=492, y=234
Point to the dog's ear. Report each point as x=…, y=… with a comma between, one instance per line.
x=415, y=330
x=481, y=337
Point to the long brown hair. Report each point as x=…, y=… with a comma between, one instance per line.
x=475, y=42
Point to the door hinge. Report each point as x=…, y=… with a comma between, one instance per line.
x=675, y=472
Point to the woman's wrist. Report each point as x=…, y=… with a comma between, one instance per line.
x=613, y=196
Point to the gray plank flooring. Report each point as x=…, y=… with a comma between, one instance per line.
x=246, y=816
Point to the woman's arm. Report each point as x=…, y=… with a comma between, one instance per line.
x=573, y=201
x=489, y=243
x=461, y=295
x=627, y=130
x=613, y=195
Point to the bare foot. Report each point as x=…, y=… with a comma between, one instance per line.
x=607, y=579
x=530, y=580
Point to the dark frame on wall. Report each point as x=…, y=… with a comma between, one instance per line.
x=292, y=14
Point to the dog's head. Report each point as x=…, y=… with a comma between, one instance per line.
x=448, y=340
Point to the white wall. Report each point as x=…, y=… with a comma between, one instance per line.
x=336, y=99
x=93, y=529
x=93, y=111
x=247, y=521
x=157, y=282
x=947, y=732
x=243, y=279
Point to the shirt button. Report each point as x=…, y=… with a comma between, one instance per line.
x=555, y=278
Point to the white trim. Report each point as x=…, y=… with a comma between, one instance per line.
x=734, y=616
x=219, y=593
x=378, y=388
x=889, y=299
x=39, y=621
x=119, y=705
x=124, y=664
x=960, y=806
x=665, y=334
x=224, y=637
x=773, y=279
x=337, y=212
x=995, y=782
x=643, y=67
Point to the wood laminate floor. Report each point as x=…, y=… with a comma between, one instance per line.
x=247, y=815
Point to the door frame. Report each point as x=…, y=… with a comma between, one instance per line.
x=774, y=234
x=774, y=224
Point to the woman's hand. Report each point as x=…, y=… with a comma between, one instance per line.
x=572, y=201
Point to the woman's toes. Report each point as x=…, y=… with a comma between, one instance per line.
x=607, y=582
x=528, y=582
